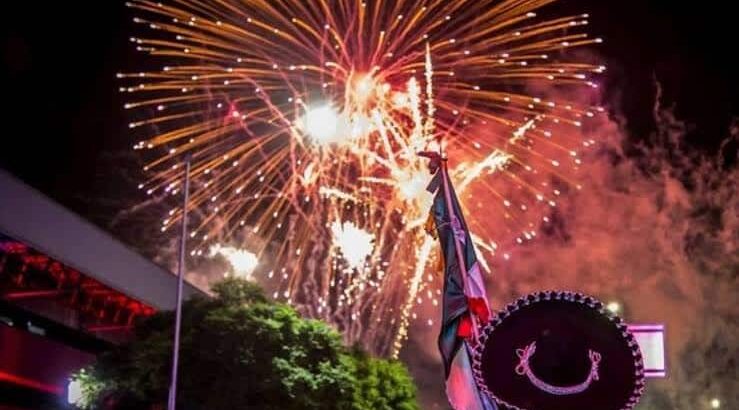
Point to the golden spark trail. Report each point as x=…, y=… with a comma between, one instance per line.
x=303, y=119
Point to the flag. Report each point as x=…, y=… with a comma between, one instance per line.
x=465, y=302
x=461, y=388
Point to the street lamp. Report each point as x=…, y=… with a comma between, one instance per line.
x=614, y=307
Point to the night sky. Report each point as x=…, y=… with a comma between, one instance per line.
x=62, y=112
x=65, y=130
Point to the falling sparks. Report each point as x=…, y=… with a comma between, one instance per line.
x=304, y=131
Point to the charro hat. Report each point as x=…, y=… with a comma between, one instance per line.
x=559, y=351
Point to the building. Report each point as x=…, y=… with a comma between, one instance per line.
x=68, y=290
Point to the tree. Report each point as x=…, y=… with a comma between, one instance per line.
x=382, y=384
x=240, y=351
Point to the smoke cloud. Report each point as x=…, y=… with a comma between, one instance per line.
x=656, y=229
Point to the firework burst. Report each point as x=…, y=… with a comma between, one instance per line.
x=303, y=119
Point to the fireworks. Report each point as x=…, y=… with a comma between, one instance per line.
x=242, y=262
x=354, y=244
x=304, y=117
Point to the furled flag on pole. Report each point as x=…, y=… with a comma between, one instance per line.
x=465, y=303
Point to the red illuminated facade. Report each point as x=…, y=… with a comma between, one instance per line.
x=68, y=290
x=54, y=319
x=39, y=283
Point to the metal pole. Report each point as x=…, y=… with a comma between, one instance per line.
x=171, y=402
x=457, y=245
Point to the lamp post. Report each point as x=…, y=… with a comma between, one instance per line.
x=171, y=402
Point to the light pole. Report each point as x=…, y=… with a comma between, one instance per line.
x=171, y=402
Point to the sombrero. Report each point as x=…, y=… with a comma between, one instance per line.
x=559, y=351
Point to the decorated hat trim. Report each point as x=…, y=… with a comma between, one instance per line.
x=594, y=374
x=524, y=369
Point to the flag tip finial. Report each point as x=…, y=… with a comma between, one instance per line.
x=435, y=160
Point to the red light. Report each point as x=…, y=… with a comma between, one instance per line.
x=33, y=384
x=13, y=247
x=31, y=294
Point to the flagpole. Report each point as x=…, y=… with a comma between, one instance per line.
x=457, y=245
x=171, y=402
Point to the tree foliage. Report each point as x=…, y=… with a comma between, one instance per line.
x=382, y=384
x=240, y=351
